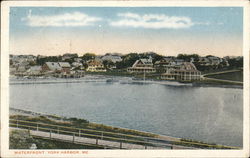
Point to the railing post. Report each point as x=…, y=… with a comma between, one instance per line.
x=50, y=134
x=120, y=145
x=73, y=137
x=146, y=142
x=37, y=127
x=96, y=141
x=79, y=133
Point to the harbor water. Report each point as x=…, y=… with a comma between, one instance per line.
x=208, y=114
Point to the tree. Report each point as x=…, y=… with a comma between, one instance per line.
x=108, y=64
x=187, y=57
x=71, y=60
x=127, y=60
x=41, y=61
x=32, y=63
x=235, y=62
x=157, y=58
x=88, y=56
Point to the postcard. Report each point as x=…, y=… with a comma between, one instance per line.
x=125, y=79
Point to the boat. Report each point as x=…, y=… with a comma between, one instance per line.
x=111, y=80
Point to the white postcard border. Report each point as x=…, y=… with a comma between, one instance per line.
x=5, y=152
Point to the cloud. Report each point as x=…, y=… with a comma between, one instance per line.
x=154, y=21
x=202, y=23
x=73, y=19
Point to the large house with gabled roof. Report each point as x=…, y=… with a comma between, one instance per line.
x=142, y=66
x=95, y=66
x=185, y=72
x=56, y=67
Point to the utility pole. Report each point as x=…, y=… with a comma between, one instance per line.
x=144, y=76
x=70, y=45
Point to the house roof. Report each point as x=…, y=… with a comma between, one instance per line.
x=113, y=58
x=164, y=60
x=94, y=62
x=168, y=59
x=64, y=64
x=179, y=60
x=188, y=66
x=146, y=61
x=53, y=66
x=214, y=59
x=35, y=68
x=143, y=61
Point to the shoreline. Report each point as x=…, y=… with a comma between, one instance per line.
x=179, y=141
x=104, y=77
x=52, y=116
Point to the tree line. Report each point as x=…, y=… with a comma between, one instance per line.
x=129, y=59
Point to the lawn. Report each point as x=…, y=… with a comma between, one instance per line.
x=232, y=76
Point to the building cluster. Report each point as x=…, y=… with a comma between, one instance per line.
x=70, y=65
x=26, y=65
x=172, y=68
x=212, y=61
x=168, y=68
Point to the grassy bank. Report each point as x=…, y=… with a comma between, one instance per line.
x=231, y=76
x=75, y=123
x=91, y=129
x=202, y=145
x=219, y=79
x=20, y=139
x=67, y=126
x=217, y=83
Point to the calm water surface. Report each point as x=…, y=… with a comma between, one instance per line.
x=207, y=114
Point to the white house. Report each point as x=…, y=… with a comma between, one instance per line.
x=142, y=66
x=186, y=72
x=95, y=66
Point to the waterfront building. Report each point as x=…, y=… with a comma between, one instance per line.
x=163, y=64
x=95, y=66
x=56, y=67
x=65, y=67
x=142, y=66
x=52, y=67
x=185, y=72
x=210, y=61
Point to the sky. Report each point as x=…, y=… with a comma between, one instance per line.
x=165, y=30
